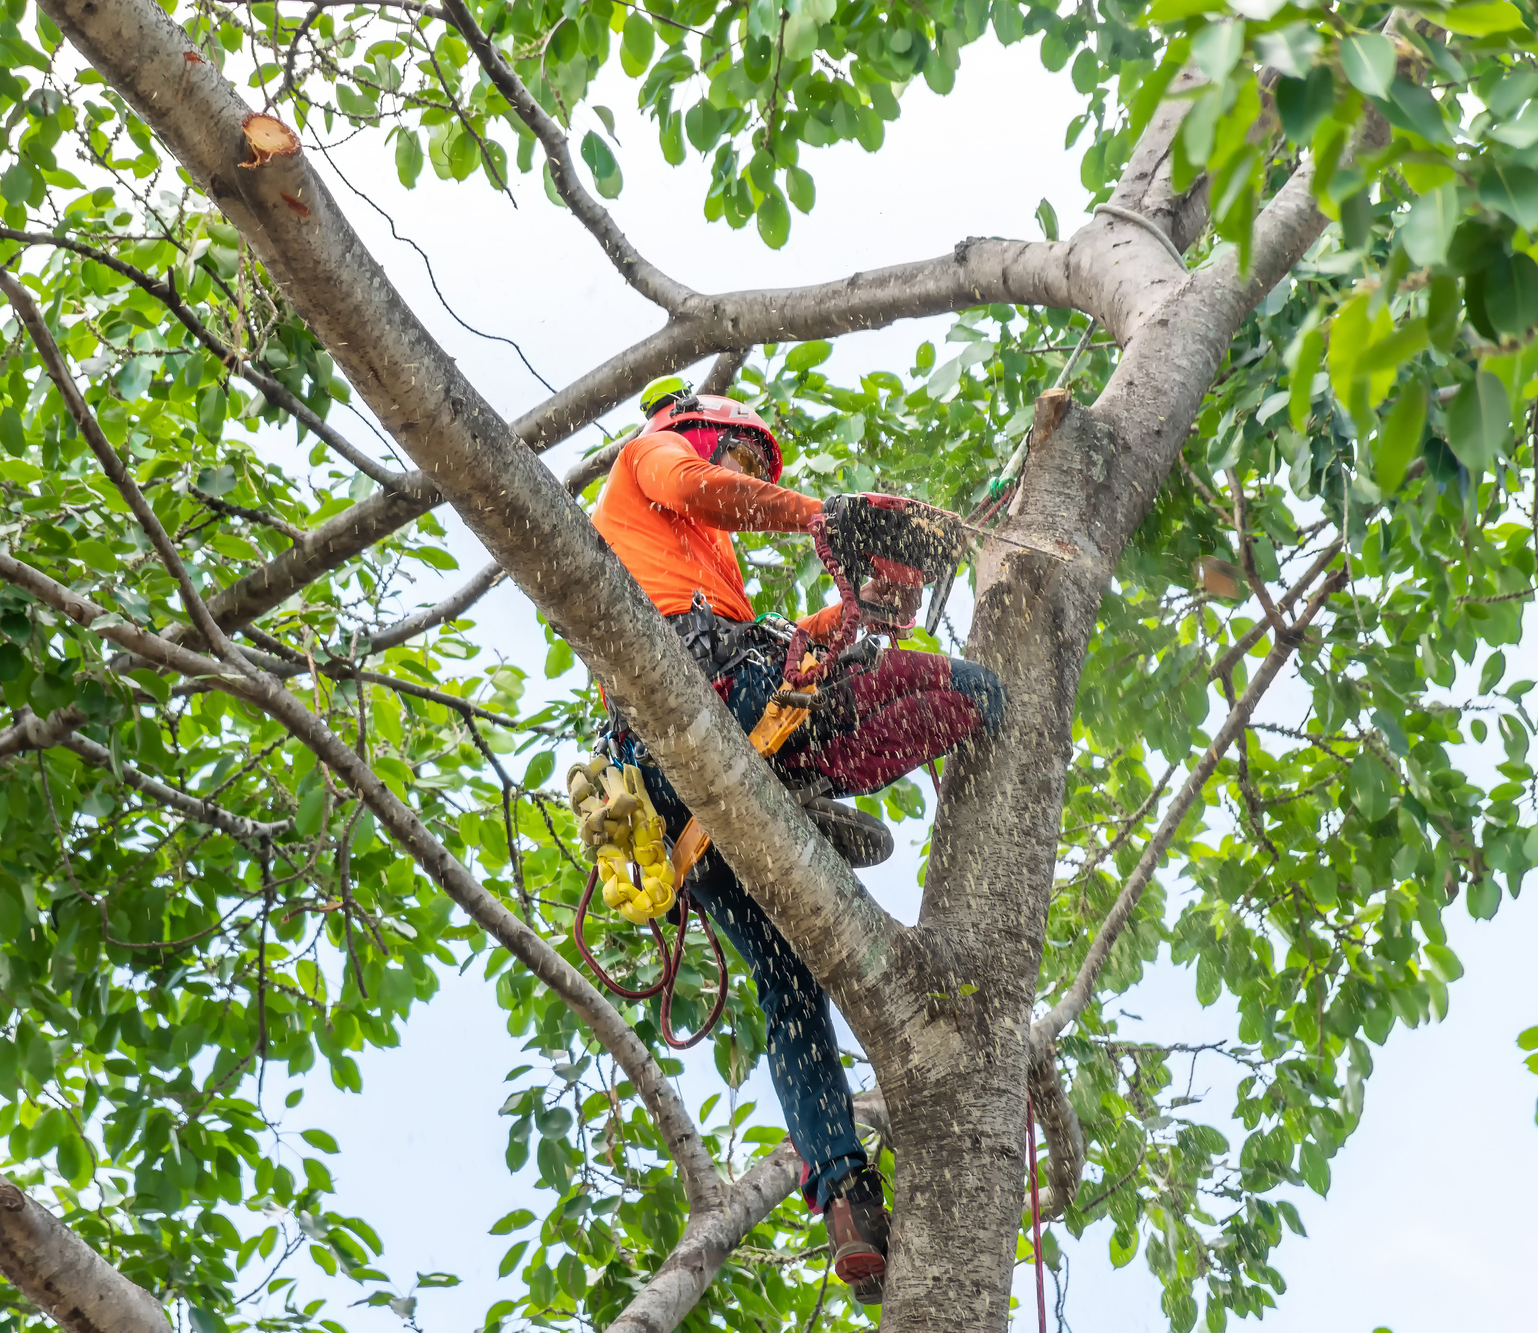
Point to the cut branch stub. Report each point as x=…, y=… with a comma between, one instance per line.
x=268, y=137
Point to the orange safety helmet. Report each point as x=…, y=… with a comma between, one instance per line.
x=670, y=404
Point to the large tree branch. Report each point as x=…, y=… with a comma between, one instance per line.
x=263, y=691
x=64, y=1277
x=1047, y=1028
x=510, y=500
x=639, y=272
x=30, y=732
x=977, y=271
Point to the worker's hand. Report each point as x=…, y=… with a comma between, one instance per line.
x=904, y=597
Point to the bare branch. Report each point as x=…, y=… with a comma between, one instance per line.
x=31, y=732
x=597, y=464
x=64, y=1277
x=261, y=516
x=450, y=608
x=641, y=274
x=271, y=389
x=1047, y=1029
x=977, y=271
x=724, y=371
x=1060, y=1128
x=1247, y=556
x=709, y=1238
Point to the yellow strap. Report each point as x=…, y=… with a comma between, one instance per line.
x=772, y=730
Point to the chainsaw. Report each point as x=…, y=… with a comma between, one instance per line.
x=903, y=541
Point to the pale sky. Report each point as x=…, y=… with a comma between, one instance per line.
x=1429, y=1224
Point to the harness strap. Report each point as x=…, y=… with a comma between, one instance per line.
x=770, y=732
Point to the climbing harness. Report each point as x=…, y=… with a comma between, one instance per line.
x=1041, y=1281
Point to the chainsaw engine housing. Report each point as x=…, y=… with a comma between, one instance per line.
x=899, y=539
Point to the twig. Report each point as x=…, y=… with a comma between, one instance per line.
x=644, y=276
x=815, y=1317
x=450, y=608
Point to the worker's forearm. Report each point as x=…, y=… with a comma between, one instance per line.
x=677, y=479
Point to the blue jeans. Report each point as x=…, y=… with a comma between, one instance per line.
x=803, y=1049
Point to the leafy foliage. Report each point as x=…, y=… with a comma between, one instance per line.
x=1376, y=410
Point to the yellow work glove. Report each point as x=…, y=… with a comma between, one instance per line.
x=622, y=827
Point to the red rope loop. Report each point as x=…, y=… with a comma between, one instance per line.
x=671, y=963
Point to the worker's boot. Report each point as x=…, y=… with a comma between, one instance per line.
x=858, y=1228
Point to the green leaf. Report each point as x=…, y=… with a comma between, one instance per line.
x=801, y=188
x=1411, y=107
x=1370, y=786
x=1481, y=20
x=1484, y=898
x=408, y=156
x=1444, y=962
x=1428, y=228
x=808, y=355
x=554, y=1123
x=1494, y=669
x=1511, y=295
x=1290, y=49
x=311, y=807
x=12, y=437
x=774, y=219
x=1301, y=392
x=513, y=1221
x=539, y=770
x=1528, y=1040
x=559, y=660
x=1399, y=438
x=600, y=161
x=464, y=156
x=1479, y=422
x=1368, y=61
x=638, y=40
x=1303, y=104
x=1046, y=219
x=318, y=1138
x=1513, y=190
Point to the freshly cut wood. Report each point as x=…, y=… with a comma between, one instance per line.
x=268, y=138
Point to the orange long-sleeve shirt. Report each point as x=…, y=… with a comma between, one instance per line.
x=669, y=516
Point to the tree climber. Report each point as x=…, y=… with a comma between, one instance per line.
x=703, y=468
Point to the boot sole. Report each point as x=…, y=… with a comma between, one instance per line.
x=859, y=1265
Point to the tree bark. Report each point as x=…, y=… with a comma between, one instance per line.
x=64, y=1277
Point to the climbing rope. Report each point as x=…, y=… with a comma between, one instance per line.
x=672, y=960
x=1041, y=1281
